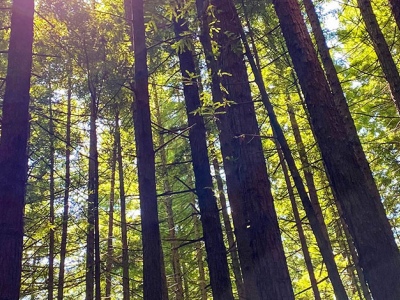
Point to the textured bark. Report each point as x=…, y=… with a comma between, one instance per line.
x=382, y=50
x=318, y=229
x=13, y=147
x=67, y=183
x=50, y=280
x=152, y=267
x=395, y=5
x=262, y=259
x=110, y=238
x=332, y=77
x=229, y=231
x=175, y=259
x=124, y=228
x=347, y=166
x=299, y=227
x=212, y=231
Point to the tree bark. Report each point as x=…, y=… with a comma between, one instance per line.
x=395, y=5
x=152, y=269
x=67, y=183
x=93, y=241
x=262, y=259
x=212, y=230
x=317, y=225
x=382, y=50
x=13, y=147
x=347, y=167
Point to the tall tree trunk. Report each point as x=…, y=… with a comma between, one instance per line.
x=175, y=259
x=332, y=77
x=92, y=251
x=152, y=268
x=300, y=231
x=212, y=230
x=199, y=253
x=50, y=280
x=124, y=228
x=395, y=5
x=308, y=175
x=316, y=224
x=229, y=231
x=13, y=147
x=382, y=50
x=67, y=183
x=347, y=167
x=262, y=259
x=110, y=243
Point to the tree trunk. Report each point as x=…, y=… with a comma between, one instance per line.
x=110, y=243
x=347, y=167
x=300, y=231
x=318, y=229
x=92, y=251
x=13, y=147
x=308, y=175
x=124, y=228
x=67, y=183
x=229, y=231
x=152, y=279
x=50, y=280
x=212, y=230
x=262, y=259
x=395, y=5
x=199, y=253
x=382, y=50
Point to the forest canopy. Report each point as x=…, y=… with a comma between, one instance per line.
x=199, y=149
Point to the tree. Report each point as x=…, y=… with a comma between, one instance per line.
x=67, y=184
x=347, y=168
x=110, y=237
x=13, y=147
x=212, y=230
x=124, y=226
x=382, y=50
x=396, y=11
x=312, y=208
x=254, y=216
x=152, y=279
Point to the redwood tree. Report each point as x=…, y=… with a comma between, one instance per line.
x=261, y=255
x=382, y=49
x=395, y=5
x=212, y=230
x=13, y=147
x=347, y=166
x=152, y=267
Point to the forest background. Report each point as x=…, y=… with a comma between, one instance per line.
x=82, y=217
